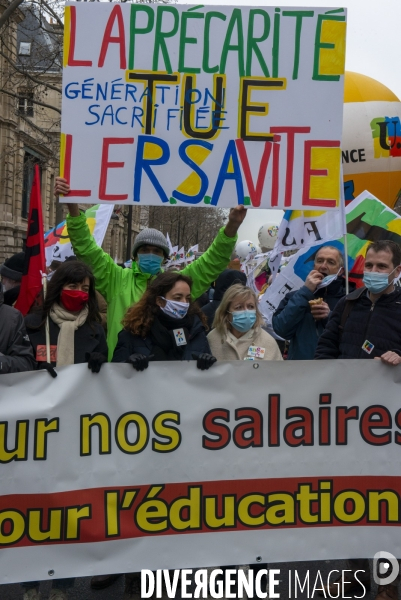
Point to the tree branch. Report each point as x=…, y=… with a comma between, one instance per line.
x=51, y=11
x=26, y=74
x=9, y=11
x=32, y=100
x=42, y=131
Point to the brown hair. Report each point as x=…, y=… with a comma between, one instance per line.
x=387, y=246
x=221, y=321
x=140, y=316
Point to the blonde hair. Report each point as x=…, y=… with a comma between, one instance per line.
x=221, y=321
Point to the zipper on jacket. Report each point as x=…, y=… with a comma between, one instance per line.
x=367, y=324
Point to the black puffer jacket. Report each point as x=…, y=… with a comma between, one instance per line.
x=87, y=338
x=225, y=280
x=15, y=349
x=128, y=343
x=379, y=324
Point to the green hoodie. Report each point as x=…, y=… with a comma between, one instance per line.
x=123, y=287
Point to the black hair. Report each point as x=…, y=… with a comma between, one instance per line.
x=73, y=271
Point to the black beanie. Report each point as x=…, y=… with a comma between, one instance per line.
x=13, y=267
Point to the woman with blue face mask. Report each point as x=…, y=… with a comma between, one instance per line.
x=164, y=325
x=238, y=333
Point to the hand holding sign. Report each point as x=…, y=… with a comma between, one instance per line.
x=235, y=219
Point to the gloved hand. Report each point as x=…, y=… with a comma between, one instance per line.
x=95, y=361
x=140, y=362
x=204, y=361
x=49, y=368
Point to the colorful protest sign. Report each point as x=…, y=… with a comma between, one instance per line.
x=368, y=220
x=126, y=470
x=57, y=241
x=203, y=106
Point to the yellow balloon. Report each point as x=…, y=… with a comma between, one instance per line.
x=371, y=146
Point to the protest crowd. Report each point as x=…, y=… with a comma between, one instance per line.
x=155, y=316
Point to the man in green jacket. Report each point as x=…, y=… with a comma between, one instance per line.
x=123, y=287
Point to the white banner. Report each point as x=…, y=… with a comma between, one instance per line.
x=124, y=470
x=300, y=229
x=203, y=105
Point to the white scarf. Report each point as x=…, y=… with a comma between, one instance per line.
x=68, y=323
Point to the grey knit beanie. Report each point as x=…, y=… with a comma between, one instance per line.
x=151, y=237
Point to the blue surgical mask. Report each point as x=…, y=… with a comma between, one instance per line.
x=376, y=282
x=326, y=281
x=243, y=320
x=150, y=263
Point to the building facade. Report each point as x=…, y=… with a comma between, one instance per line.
x=30, y=115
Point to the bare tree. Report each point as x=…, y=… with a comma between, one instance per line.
x=186, y=226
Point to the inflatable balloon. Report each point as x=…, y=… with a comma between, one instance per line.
x=244, y=248
x=267, y=236
x=371, y=145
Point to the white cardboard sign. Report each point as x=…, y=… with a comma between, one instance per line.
x=203, y=105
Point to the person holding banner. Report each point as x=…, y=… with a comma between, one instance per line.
x=226, y=279
x=121, y=288
x=164, y=325
x=71, y=310
x=238, y=333
x=302, y=315
x=366, y=324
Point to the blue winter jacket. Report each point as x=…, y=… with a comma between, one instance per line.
x=293, y=319
x=128, y=343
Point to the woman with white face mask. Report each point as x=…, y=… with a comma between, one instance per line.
x=164, y=325
x=238, y=333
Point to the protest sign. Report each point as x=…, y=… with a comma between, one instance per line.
x=368, y=220
x=203, y=106
x=174, y=467
x=57, y=240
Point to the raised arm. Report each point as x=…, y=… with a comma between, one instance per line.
x=208, y=267
x=108, y=275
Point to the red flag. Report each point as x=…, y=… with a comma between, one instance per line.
x=35, y=264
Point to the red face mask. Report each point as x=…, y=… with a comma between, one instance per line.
x=74, y=300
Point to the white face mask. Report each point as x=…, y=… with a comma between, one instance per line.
x=177, y=310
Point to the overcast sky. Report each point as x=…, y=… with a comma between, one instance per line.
x=373, y=49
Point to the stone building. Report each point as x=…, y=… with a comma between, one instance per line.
x=30, y=113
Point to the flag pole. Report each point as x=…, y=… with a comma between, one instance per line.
x=47, y=329
x=344, y=218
